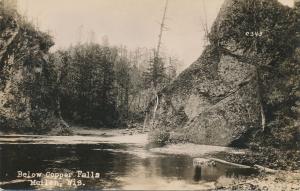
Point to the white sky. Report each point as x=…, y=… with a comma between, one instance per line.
x=134, y=23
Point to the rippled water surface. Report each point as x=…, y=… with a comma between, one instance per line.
x=120, y=164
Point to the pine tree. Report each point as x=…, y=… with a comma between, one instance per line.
x=155, y=75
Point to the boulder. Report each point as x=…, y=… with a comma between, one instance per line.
x=236, y=88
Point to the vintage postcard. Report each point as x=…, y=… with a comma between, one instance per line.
x=150, y=95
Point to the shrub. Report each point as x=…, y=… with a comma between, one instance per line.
x=159, y=136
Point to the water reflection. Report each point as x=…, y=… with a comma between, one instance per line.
x=123, y=169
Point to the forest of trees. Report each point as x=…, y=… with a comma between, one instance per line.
x=90, y=84
x=102, y=85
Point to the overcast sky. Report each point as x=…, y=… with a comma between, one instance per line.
x=134, y=23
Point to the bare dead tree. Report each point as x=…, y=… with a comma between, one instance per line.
x=156, y=59
x=204, y=25
x=80, y=34
x=162, y=29
x=155, y=63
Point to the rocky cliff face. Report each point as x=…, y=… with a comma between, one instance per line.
x=246, y=80
x=27, y=86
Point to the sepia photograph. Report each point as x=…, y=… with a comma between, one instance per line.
x=150, y=95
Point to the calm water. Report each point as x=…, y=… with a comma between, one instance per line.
x=120, y=165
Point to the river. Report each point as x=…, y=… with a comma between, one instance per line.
x=122, y=162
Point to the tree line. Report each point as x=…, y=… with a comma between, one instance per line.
x=102, y=85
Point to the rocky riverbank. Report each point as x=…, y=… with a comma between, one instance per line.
x=283, y=180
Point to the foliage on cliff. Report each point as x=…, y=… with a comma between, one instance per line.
x=276, y=23
x=275, y=55
x=28, y=93
x=276, y=58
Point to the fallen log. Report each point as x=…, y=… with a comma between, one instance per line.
x=265, y=169
x=230, y=163
x=213, y=161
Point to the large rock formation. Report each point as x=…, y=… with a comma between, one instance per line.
x=28, y=99
x=246, y=80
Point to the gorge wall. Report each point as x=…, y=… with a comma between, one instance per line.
x=28, y=95
x=245, y=83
